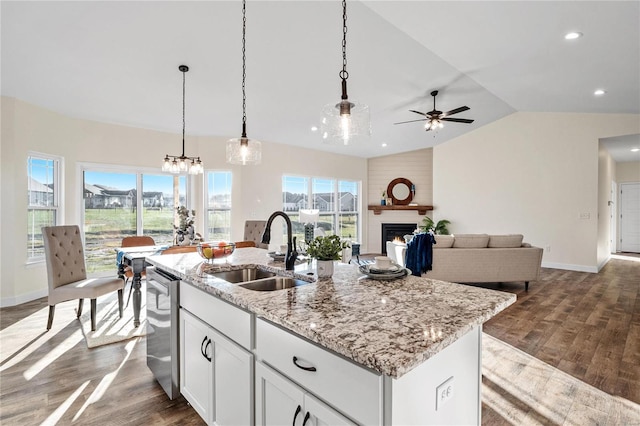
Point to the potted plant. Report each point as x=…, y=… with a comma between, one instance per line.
x=439, y=228
x=325, y=250
x=185, y=232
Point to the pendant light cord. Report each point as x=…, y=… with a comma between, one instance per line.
x=344, y=74
x=244, y=69
x=183, y=109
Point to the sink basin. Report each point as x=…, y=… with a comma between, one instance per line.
x=275, y=283
x=243, y=275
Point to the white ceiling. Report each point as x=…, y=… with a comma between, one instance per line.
x=118, y=62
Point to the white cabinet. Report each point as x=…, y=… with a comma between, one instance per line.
x=216, y=374
x=280, y=402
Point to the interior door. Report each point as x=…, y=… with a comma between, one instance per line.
x=630, y=217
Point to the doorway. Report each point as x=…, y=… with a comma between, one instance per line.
x=630, y=217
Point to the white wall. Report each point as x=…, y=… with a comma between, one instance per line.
x=628, y=171
x=529, y=173
x=25, y=127
x=417, y=166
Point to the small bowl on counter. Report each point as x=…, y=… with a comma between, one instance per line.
x=213, y=250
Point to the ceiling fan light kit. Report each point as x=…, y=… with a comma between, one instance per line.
x=347, y=121
x=434, y=118
x=243, y=150
x=181, y=163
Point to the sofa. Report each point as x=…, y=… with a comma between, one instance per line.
x=479, y=258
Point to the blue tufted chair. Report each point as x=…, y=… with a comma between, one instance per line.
x=67, y=275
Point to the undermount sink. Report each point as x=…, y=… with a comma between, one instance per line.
x=243, y=275
x=275, y=283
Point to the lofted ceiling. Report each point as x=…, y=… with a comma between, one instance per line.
x=117, y=62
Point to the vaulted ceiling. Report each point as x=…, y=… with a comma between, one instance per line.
x=118, y=62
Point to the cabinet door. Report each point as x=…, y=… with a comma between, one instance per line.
x=278, y=401
x=196, y=349
x=321, y=414
x=232, y=383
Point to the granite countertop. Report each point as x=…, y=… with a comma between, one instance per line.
x=388, y=326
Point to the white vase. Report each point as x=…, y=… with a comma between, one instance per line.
x=324, y=268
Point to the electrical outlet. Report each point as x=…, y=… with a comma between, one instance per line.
x=547, y=249
x=444, y=393
x=585, y=215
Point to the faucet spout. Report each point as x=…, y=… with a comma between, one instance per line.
x=292, y=254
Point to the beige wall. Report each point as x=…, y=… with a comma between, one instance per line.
x=417, y=166
x=606, y=176
x=530, y=173
x=25, y=127
x=628, y=172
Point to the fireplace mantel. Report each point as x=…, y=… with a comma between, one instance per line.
x=422, y=210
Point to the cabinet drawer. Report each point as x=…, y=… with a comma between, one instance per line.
x=230, y=320
x=353, y=390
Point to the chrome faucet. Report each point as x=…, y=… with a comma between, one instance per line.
x=292, y=254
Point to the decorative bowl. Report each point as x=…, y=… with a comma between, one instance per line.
x=215, y=250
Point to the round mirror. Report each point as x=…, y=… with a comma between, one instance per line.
x=399, y=190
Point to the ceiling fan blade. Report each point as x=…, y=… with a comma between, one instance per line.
x=411, y=121
x=455, y=111
x=418, y=112
x=457, y=120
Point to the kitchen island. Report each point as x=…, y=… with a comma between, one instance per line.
x=390, y=352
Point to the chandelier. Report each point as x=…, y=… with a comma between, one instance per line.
x=182, y=163
x=347, y=121
x=244, y=150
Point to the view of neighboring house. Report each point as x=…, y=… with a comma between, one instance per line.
x=324, y=202
x=39, y=193
x=101, y=197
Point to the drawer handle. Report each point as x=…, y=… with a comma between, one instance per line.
x=306, y=419
x=205, y=350
x=295, y=416
x=295, y=361
x=202, y=346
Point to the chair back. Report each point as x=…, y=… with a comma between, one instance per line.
x=243, y=244
x=180, y=249
x=137, y=240
x=253, y=230
x=64, y=255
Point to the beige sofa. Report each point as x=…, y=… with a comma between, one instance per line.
x=478, y=258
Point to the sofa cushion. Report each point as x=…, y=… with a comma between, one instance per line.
x=470, y=240
x=443, y=241
x=505, y=241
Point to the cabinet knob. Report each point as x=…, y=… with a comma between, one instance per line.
x=295, y=361
x=296, y=414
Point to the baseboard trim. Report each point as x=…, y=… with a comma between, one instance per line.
x=23, y=298
x=604, y=262
x=570, y=267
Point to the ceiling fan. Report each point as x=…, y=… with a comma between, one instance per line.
x=434, y=118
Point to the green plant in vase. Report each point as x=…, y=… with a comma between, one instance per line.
x=438, y=228
x=325, y=250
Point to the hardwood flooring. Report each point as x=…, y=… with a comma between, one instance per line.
x=587, y=325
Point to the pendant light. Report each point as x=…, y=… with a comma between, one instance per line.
x=347, y=121
x=180, y=164
x=244, y=150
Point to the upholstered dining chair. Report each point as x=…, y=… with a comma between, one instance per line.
x=134, y=241
x=180, y=249
x=66, y=272
x=253, y=230
x=243, y=244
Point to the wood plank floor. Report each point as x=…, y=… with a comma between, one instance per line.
x=587, y=325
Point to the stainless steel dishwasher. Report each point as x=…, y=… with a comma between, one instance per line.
x=163, y=330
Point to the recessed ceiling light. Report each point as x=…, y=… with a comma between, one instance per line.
x=572, y=35
x=599, y=92
x=384, y=145
x=635, y=149
x=314, y=129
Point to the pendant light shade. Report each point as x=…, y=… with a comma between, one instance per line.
x=347, y=121
x=242, y=150
x=181, y=163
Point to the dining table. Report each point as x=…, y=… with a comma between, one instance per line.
x=135, y=258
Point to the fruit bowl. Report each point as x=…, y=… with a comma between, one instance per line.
x=215, y=250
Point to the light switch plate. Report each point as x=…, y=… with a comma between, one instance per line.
x=444, y=393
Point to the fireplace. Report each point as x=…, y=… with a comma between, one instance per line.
x=391, y=231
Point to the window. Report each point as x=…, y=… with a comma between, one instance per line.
x=111, y=200
x=43, y=206
x=218, y=205
x=337, y=200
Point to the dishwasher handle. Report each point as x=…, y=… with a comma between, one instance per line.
x=158, y=286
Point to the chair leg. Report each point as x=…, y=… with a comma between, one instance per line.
x=120, y=302
x=129, y=296
x=80, y=301
x=526, y=286
x=93, y=314
x=52, y=310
